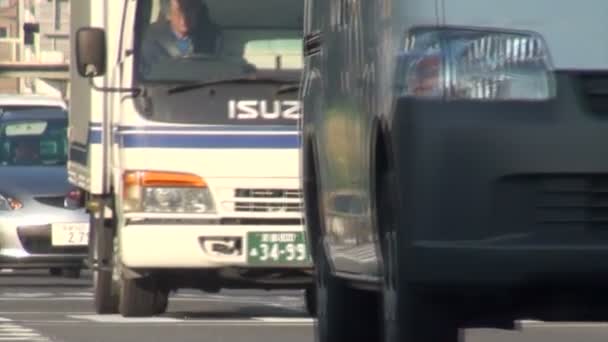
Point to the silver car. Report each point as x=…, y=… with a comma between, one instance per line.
x=42, y=221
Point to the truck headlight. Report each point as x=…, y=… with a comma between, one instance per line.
x=166, y=192
x=474, y=64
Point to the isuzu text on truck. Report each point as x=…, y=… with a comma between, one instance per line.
x=187, y=148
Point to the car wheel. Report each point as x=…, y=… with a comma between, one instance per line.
x=343, y=312
x=410, y=314
x=105, y=294
x=73, y=273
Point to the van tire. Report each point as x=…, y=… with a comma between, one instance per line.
x=344, y=314
x=410, y=313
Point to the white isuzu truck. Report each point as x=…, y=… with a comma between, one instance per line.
x=187, y=149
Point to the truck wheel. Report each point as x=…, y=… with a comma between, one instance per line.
x=344, y=314
x=106, y=297
x=139, y=297
x=310, y=297
x=162, y=302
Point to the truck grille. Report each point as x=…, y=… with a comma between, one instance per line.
x=267, y=193
x=266, y=200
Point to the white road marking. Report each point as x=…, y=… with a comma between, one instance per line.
x=197, y=321
x=120, y=319
x=284, y=320
x=540, y=324
x=19, y=334
x=10, y=331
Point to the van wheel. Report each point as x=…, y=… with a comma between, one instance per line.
x=140, y=297
x=343, y=313
x=410, y=314
x=105, y=294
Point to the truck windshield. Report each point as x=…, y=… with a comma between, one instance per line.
x=209, y=40
x=218, y=62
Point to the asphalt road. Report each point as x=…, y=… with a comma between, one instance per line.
x=37, y=307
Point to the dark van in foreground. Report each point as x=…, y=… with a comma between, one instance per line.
x=454, y=165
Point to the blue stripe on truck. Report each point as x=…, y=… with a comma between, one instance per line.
x=182, y=139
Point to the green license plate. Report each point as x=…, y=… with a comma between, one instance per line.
x=285, y=248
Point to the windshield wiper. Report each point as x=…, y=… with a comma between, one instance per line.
x=238, y=80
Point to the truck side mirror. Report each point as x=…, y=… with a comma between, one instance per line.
x=91, y=52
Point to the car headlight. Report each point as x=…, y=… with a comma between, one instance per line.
x=474, y=64
x=73, y=199
x=8, y=203
x=166, y=192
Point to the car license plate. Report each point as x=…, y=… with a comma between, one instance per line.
x=277, y=248
x=70, y=234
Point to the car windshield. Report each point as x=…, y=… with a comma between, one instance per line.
x=216, y=39
x=33, y=142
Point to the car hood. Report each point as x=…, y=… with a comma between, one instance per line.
x=25, y=182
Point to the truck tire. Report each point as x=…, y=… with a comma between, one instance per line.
x=105, y=294
x=140, y=297
x=162, y=302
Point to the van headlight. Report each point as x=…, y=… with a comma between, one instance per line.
x=474, y=64
x=166, y=192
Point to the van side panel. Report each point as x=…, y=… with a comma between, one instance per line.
x=575, y=31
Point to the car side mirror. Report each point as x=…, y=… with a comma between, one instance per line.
x=91, y=52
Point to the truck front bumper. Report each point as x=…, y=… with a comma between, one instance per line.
x=150, y=246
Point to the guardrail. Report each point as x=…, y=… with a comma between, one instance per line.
x=56, y=71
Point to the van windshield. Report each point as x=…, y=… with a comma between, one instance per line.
x=207, y=40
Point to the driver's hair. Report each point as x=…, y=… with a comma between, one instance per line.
x=188, y=6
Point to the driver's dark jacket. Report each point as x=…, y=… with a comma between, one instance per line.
x=160, y=42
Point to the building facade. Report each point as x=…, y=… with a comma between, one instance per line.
x=49, y=45
x=9, y=37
